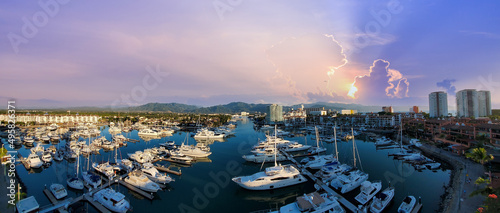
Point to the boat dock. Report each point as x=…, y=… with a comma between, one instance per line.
x=54, y=201
x=23, y=161
x=351, y=207
x=163, y=169
x=132, y=140
x=171, y=161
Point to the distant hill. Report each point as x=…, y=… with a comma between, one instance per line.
x=164, y=107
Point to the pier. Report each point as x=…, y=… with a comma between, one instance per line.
x=163, y=169
x=351, y=207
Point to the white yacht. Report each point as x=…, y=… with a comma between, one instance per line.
x=332, y=170
x=274, y=177
x=383, y=142
x=407, y=205
x=347, y=182
x=193, y=151
x=317, y=161
x=205, y=133
x=382, y=200
x=313, y=203
x=34, y=161
x=148, y=132
x=112, y=200
x=263, y=157
x=177, y=157
x=45, y=138
x=368, y=190
x=75, y=183
x=47, y=157
x=152, y=173
x=29, y=141
x=58, y=191
x=105, y=169
x=295, y=147
x=138, y=179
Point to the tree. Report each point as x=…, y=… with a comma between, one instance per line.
x=479, y=155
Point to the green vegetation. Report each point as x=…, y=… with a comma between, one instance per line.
x=491, y=204
x=479, y=155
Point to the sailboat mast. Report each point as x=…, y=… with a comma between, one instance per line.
x=353, y=148
x=335, y=137
x=317, y=138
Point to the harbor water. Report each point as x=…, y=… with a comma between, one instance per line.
x=206, y=186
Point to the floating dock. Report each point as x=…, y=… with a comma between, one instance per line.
x=351, y=207
x=23, y=161
x=54, y=201
x=163, y=169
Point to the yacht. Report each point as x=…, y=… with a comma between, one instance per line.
x=332, y=170
x=92, y=179
x=205, y=133
x=29, y=141
x=180, y=158
x=274, y=177
x=317, y=161
x=434, y=165
x=347, y=182
x=47, y=157
x=45, y=138
x=112, y=200
x=368, y=190
x=59, y=155
x=313, y=203
x=105, y=169
x=407, y=205
x=383, y=142
x=58, y=191
x=34, y=161
x=52, y=127
x=152, y=173
x=382, y=200
x=295, y=147
x=141, y=181
x=148, y=132
x=263, y=157
x=193, y=151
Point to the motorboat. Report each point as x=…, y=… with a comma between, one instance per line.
x=58, y=191
x=112, y=200
x=180, y=158
x=34, y=161
x=317, y=161
x=29, y=141
x=264, y=157
x=46, y=157
x=148, y=132
x=205, y=133
x=332, y=170
x=274, y=177
x=347, y=182
x=407, y=205
x=141, y=181
x=380, y=201
x=45, y=138
x=105, y=169
x=92, y=179
x=152, y=173
x=368, y=190
x=434, y=165
x=383, y=141
x=193, y=151
x=58, y=156
x=295, y=147
x=313, y=202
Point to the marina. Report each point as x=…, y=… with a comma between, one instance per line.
x=191, y=179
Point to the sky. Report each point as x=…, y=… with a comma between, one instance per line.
x=115, y=53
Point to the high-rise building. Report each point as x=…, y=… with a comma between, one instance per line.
x=438, y=104
x=414, y=109
x=467, y=103
x=387, y=109
x=274, y=113
x=484, y=103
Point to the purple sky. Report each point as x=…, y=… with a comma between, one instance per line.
x=95, y=53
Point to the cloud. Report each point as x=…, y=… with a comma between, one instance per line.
x=447, y=84
x=381, y=83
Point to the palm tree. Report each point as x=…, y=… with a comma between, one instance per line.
x=479, y=155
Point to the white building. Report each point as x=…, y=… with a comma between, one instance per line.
x=45, y=119
x=467, y=103
x=348, y=112
x=438, y=104
x=484, y=103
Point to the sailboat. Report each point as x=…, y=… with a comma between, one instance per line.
x=76, y=182
x=90, y=178
x=402, y=152
x=317, y=161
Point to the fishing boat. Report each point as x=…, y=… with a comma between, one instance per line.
x=112, y=200
x=407, y=205
x=313, y=203
x=368, y=190
x=141, y=181
x=382, y=200
x=58, y=191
